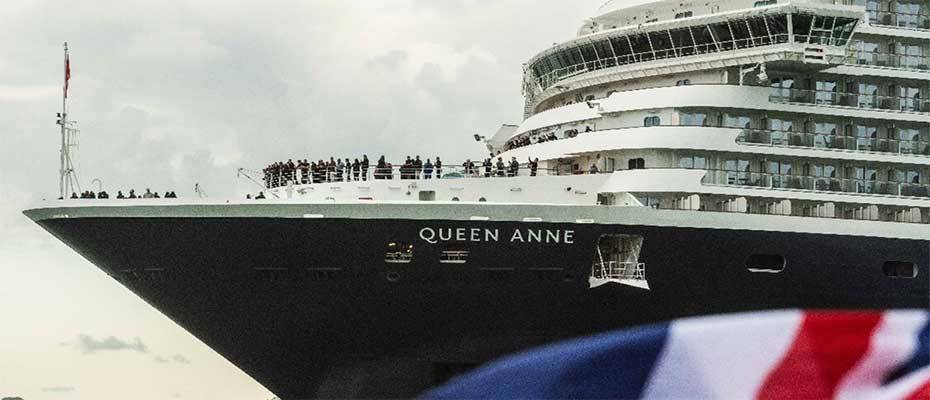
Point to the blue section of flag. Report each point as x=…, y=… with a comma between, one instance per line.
x=920, y=359
x=615, y=365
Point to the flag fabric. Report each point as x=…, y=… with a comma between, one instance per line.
x=67, y=73
x=769, y=355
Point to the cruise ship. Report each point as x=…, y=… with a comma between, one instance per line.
x=689, y=158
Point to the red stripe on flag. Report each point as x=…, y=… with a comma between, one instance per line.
x=922, y=393
x=827, y=346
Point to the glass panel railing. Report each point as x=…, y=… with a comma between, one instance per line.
x=890, y=60
x=900, y=19
x=814, y=183
x=833, y=141
x=833, y=98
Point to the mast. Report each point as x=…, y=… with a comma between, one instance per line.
x=63, y=121
x=67, y=181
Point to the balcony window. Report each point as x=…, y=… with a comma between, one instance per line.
x=865, y=179
x=737, y=172
x=867, y=138
x=868, y=95
x=782, y=88
x=781, y=172
x=737, y=121
x=909, y=13
x=825, y=134
x=781, y=130
x=825, y=177
x=692, y=162
x=911, y=56
x=910, y=98
x=909, y=141
x=826, y=92
x=694, y=119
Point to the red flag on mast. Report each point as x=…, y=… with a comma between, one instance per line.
x=67, y=73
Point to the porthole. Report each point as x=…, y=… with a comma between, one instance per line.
x=900, y=269
x=765, y=263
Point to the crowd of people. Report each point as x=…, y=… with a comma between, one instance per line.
x=149, y=194
x=345, y=170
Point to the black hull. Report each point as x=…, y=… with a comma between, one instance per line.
x=310, y=308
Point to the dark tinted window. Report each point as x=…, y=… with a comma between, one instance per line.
x=900, y=269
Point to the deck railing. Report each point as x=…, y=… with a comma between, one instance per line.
x=815, y=183
x=856, y=100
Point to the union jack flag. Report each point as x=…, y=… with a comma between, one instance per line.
x=770, y=355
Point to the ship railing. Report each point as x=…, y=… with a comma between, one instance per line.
x=912, y=103
x=625, y=273
x=832, y=140
x=888, y=60
x=823, y=179
x=301, y=176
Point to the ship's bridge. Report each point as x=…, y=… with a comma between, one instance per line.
x=812, y=32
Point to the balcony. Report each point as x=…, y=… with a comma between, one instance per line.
x=888, y=60
x=815, y=183
x=853, y=100
x=836, y=142
x=900, y=19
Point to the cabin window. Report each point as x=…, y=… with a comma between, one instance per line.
x=685, y=14
x=683, y=82
x=765, y=263
x=652, y=121
x=637, y=163
x=900, y=269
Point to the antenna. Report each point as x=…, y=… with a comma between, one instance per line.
x=67, y=181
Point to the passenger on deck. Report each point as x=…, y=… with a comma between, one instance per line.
x=356, y=169
x=418, y=167
x=103, y=195
x=365, y=165
x=148, y=194
x=594, y=170
x=132, y=194
x=500, y=166
x=534, y=165
x=119, y=194
x=514, y=167
x=488, y=166
x=427, y=169
x=438, y=166
x=261, y=195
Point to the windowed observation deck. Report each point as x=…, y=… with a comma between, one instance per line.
x=630, y=46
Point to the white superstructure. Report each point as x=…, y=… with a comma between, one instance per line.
x=805, y=108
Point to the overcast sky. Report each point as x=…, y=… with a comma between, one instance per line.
x=169, y=93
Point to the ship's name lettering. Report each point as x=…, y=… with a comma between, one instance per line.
x=552, y=236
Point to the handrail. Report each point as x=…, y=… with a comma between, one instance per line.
x=781, y=138
x=300, y=176
x=814, y=183
x=886, y=59
x=844, y=99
